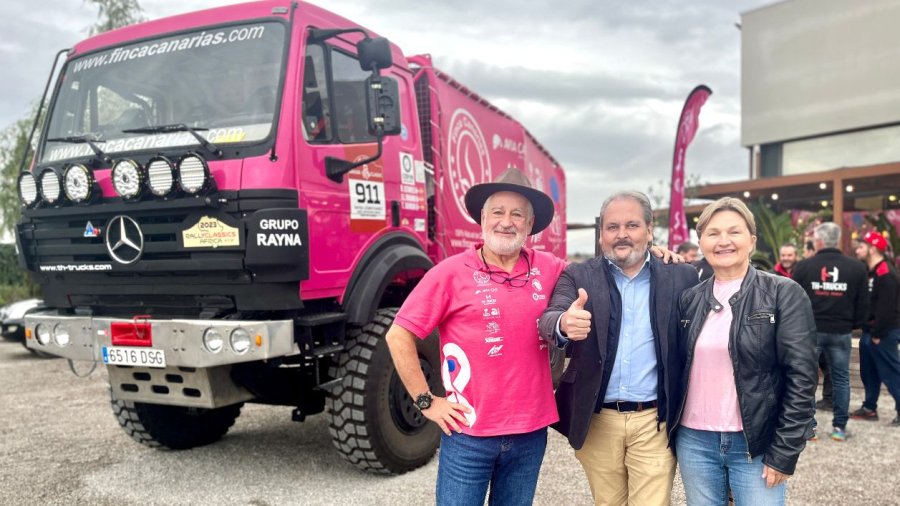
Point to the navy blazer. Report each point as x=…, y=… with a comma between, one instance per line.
x=587, y=375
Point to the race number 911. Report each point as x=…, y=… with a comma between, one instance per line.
x=144, y=357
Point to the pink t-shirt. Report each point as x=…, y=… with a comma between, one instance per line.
x=712, y=402
x=492, y=356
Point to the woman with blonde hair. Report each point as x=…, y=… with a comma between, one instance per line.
x=748, y=348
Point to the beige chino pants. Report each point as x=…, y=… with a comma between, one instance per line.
x=626, y=459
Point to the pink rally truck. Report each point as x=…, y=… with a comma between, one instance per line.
x=228, y=206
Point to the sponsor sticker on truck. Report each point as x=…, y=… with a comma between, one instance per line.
x=210, y=232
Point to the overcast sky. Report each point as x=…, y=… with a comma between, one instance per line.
x=599, y=83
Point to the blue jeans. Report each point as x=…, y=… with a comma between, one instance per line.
x=836, y=348
x=712, y=462
x=880, y=363
x=509, y=464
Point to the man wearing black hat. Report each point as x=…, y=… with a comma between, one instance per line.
x=495, y=368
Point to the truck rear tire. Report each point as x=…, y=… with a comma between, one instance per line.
x=374, y=423
x=173, y=427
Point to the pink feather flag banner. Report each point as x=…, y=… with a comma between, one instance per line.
x=687, y=127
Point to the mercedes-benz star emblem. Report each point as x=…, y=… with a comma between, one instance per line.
x=124, y=239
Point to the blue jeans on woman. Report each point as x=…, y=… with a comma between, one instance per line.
x=712, y=462
x=510, y=464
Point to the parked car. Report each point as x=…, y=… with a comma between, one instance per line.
x=12, y=318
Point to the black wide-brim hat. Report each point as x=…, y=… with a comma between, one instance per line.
x=512, y=180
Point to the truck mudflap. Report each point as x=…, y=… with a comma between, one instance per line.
x=159, y=343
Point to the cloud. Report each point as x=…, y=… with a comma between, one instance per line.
x=550, y=86
x=33, y=33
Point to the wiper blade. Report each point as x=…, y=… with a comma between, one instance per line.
x=90, y=140
x=178, y=127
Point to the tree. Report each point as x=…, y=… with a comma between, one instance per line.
x=114, y=14
x=774, y=229
x=13, y=147
x=111, y=14
x=659, y=193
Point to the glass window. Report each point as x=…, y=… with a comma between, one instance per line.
x=223, y=82
x=349, y=99
x=852, y=149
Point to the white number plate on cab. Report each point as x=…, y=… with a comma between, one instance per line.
x=144, y=357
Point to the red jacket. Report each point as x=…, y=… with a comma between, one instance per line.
x=781, y=271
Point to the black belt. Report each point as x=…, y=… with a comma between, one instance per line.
x=629, y=406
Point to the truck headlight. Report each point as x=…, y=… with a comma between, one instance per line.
x=28, y=190
x=193, y=174
x=78, y=182
x=213, y=340
x=126, y=179
x=61, y=335
x=50, y=187
x=159, y=177
x=42, y=333
x=240, y=341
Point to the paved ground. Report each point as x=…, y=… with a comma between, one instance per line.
x=59, y=444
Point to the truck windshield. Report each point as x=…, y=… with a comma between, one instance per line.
x=222, y=80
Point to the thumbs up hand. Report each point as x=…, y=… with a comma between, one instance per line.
x=576, y=322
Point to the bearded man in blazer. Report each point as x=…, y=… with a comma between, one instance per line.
x=618, y=313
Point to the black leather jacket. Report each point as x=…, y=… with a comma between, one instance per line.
x=772, y=349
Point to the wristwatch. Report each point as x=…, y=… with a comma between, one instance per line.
x=423, y=401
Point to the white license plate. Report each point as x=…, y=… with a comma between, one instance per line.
x=145, y=357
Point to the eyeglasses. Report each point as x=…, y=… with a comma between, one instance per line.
x=501, y=277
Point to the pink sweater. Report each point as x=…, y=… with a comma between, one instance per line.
x=712, y=402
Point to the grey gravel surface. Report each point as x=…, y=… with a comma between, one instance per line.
x=59, y=444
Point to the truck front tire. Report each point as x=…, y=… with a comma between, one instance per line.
x=374, y=423
x=173, y=427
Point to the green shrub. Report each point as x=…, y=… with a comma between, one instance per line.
x=12, y=293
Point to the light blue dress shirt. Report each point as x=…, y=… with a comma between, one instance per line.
x=634, y=374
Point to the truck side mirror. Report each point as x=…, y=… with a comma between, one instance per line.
x=374, y=54
x=382, y=98
x=382, y=106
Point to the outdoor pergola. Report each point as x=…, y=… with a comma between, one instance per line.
x=870, y=188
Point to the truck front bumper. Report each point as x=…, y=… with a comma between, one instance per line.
x=181, y=340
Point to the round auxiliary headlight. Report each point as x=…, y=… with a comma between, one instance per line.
x=60, y=335
x=240, y=341
x=42, y=333
x=192, y=174
x=159, y=177
x=50, y=187
x=213, y=340
x=28, y=190
x=78, y=182
x=126, y=178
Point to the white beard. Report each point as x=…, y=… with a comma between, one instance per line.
x=504, y=247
